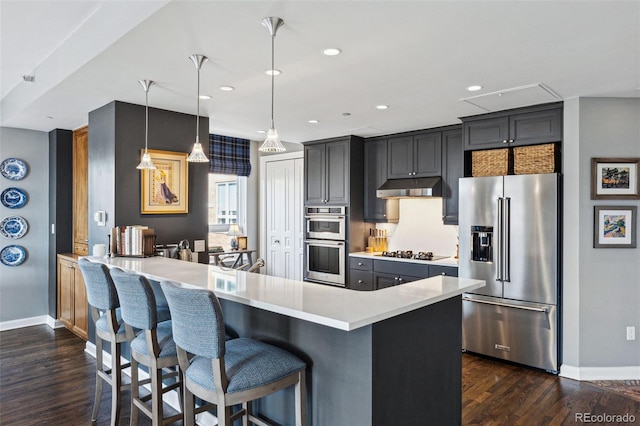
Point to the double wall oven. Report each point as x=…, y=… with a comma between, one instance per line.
x=325, y=244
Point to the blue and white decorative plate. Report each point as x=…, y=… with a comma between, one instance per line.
x=14, y=198
x=13, y=255
x=13, y=169
x=13, y=227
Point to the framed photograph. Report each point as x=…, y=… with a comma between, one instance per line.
x=615, y=179
x=165, y=189
x=614, y=227
x=242, y=243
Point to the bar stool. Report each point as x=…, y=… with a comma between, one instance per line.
x=226, y=373
x=105, y=313
x=151, y=345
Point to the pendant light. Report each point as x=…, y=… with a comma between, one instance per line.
x=146, y=162
x=272, y=142
x=197, y=155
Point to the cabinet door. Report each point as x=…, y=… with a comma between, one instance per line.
x=452, y=170
x=80, y=306
x=400, y=152
x=427, y=155
x=487, y=133
x=536, y=127
x=383, y=280
x=314, y=179
x=361, y=280
x=337, y=174
x=65, y=293
x=375, y=172
x=80, y=191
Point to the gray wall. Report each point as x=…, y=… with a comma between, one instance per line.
x=24, y=288
x=601, y=286
x=116, y=136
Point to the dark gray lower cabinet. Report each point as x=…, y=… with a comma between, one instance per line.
x=374, y=274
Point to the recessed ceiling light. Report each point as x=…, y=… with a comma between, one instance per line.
x=205, y=97
x=313, y=121
x=474, y=88
x=346, y=114
x=273, y=72
x=332, y=51
x=382, y=106
x=260, y=131
x=227, y=88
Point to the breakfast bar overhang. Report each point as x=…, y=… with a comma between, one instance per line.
x=391, y=356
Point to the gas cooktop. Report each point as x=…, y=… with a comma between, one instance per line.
x=408, y=254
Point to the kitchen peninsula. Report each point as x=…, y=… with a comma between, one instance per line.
x=383, y=357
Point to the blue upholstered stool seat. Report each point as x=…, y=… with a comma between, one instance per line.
x=103, y=324
x=165, y=342
x=249, y=363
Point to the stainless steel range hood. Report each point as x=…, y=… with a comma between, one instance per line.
x=411, y=187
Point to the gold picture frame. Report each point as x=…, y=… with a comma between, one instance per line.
x=165, y=189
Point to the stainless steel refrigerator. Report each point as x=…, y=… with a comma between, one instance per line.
x=509, y=230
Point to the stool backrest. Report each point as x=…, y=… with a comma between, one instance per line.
x=101, y=292
x=196, y=318
x=137, y=301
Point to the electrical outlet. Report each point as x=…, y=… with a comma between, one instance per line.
x=198, y=245
x=631, y=333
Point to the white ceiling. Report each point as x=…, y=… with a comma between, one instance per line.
x=418, y=57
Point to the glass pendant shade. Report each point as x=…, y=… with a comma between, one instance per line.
x=272, y=142
x=146, y=163
x=197, y=154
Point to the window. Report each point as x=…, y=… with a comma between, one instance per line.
x=226, y=202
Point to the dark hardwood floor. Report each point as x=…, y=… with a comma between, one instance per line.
x=47, y=379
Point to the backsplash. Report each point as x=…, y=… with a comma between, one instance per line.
x=420, y=228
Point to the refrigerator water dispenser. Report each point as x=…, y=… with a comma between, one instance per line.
x=482, y=243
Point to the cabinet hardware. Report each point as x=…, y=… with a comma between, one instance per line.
x=359, y=263
x=359, y=281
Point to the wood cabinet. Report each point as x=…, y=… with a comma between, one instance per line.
x=416, y=155
x=375, y=174
x=452, y=170
x=524, y=126
x=327, y=172
x=80, y=191
x=73, y=310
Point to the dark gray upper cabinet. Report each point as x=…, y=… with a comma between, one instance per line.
x=415, y=156
x=524, y=126
x=333, y=171
x=327, y=173
x=375, y=174
x=452, y=170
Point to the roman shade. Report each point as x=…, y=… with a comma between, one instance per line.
x=229, y=156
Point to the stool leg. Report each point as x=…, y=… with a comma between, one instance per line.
x=301, y=400
x=99, y=381
x=156, y=395
x=116, y=382
x=135, y=392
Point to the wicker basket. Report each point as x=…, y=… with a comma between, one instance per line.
x=491, y=162
x=536, y=159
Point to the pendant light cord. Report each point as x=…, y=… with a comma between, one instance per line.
x=273, y=73
x=146, y=119
x=198, y=108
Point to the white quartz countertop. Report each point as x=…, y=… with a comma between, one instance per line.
x=447, y=261
x=317, y=303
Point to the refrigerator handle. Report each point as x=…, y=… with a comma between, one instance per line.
x=506, y=244
x=498, y=240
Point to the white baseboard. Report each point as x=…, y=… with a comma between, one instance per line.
x=171, y=398
x=600, y=373
x=28, y=322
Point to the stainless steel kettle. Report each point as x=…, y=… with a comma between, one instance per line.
x=184, y=252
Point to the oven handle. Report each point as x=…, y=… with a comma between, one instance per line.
x=323, y=217
x=324, y=243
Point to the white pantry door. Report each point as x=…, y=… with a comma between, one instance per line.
x=283, y=216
